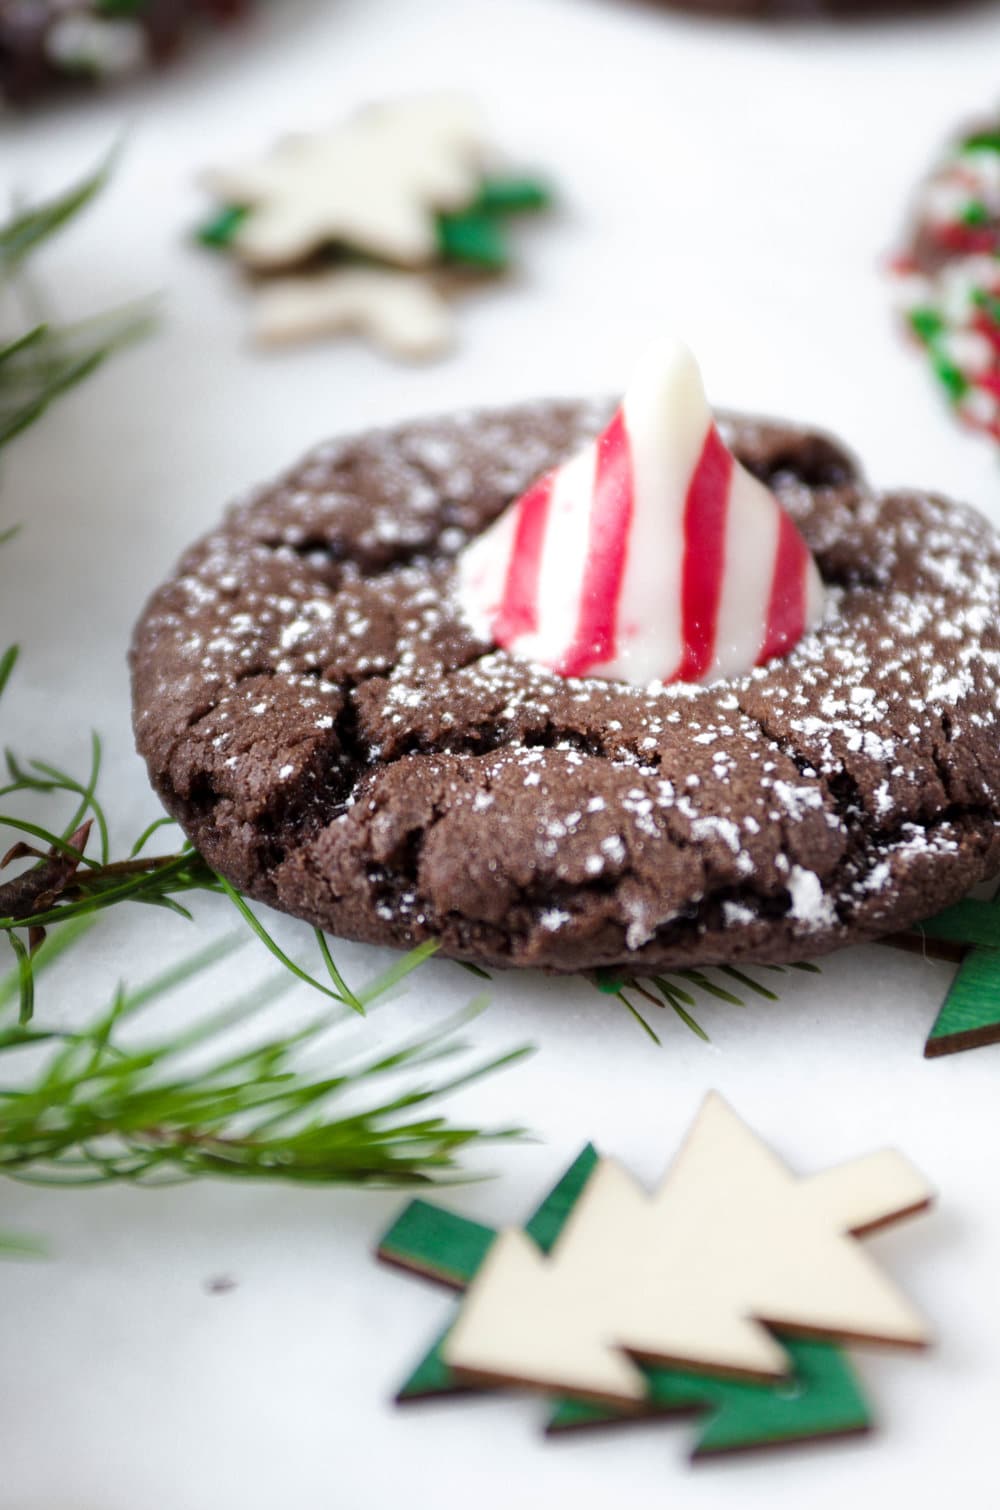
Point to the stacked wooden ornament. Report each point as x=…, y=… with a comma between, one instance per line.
x=725, y=1293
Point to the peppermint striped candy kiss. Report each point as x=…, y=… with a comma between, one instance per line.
x=650, y=556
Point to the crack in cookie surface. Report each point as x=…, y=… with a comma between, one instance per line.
x=334, y=739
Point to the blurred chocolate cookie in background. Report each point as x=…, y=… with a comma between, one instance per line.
x=814, y=9
x=51, y=46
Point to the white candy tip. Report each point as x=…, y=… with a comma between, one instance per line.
x=666, y=388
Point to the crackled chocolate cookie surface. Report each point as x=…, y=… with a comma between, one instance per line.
x=333, y=738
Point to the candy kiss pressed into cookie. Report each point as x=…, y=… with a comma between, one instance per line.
x=651, y=555
x=346, y=735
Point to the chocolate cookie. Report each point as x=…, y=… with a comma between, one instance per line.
x=809, y=9
x=332, y=737
x=49, y=45
x=950, y=275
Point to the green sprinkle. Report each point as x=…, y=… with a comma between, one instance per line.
x=982, y=141
x=988, y=303
x=473, y=237
x=951, y=378
x=975, y=213
x=609, y=981
x=220, y=230
x=926, y=322
x=513, y=196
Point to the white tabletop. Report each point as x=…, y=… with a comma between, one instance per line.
x=740, y=184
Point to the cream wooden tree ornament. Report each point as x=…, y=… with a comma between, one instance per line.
x=689, y=1275
x=376, y=182
x=401, y=312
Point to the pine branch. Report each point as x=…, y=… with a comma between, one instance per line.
x=66, y=888
x=16, y=1245
x=26, y=231
x=101, y=1110
x=68, y=885
x=671, y=989
x=43, y=361
x=47, y=361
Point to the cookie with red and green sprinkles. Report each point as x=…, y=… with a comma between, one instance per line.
x=48, y=47
x=948, y=276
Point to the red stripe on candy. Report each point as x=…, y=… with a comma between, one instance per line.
x=518, y=611
x=607, y=549
x=705, y=511
x=786, y=610
x=988, y=380
x=987, y=327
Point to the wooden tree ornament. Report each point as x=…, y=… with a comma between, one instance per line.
x=370, y=226
x=690, y=1275
x=451, y=1249
x=968, y=933
x=819, y=1397
x=376, y=182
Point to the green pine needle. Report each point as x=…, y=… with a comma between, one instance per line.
x=634, y=1012
x=680, y=999
x=340, y=985
x=52, y=949
x=103, y=1109
x=67, y=887
x=397, y=972
x=7, y=662
x=37, y=370
x=16, y=1245
x=42, y=362
x=25, y=232
x=257, y=927
x=749, y=982
x=97, y=883
x=25, y=980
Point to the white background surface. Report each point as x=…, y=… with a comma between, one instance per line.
x=737, y=183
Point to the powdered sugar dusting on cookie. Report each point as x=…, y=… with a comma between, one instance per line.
x=334, y=738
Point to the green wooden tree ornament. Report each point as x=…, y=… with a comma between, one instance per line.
x=821, y=1398
x=970, y=1014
